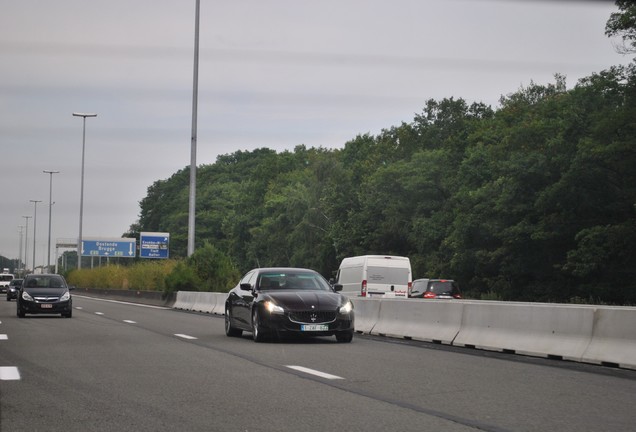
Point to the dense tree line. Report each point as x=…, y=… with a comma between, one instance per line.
x=533, y=201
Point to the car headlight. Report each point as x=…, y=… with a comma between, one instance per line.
x=66, y=296
x=347, y=308
x=26, y=296
x=272, y=307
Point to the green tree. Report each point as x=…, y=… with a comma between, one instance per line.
x=623, y=25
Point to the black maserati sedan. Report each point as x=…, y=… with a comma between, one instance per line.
x=278, y=301
x=45, y=294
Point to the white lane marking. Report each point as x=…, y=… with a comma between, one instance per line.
x=9, y=373
x=4, y=337
x=122, y=302
x=184, y=336
x=130, y=322
x=99, y=313
x=79, y=308
x=314, y=372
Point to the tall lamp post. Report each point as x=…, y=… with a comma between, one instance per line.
x=20, y=264
x=79, y=239
x=26, y=242
x=35, y=225
x=193, y=141
x=48, y=248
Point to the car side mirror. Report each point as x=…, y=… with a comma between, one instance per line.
x=246, y=287
x=337, y=287
x=71, y=287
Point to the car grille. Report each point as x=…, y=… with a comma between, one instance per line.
x=312, y=317
x=47, y=299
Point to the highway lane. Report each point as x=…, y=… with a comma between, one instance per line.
x=120, y=367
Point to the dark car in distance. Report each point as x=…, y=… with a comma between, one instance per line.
x=435, y=289
x=45, y=294
x=278, y=301
x=13, y=288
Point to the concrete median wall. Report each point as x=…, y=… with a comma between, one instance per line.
x=419, y=320
x=591, y=334
x=532, y=329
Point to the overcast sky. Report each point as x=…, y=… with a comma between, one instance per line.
x=273, y=73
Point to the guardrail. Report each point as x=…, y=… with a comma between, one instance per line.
x=591, y=334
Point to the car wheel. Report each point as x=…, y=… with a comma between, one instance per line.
x=257, y=332
x=344, y=337
x=68, y=314
x=20, y=313
x=230, y=330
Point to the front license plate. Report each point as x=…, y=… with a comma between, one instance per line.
x=46, y=306
x=314, y=327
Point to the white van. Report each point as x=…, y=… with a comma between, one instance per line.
x=375, y=275
x=5, y=280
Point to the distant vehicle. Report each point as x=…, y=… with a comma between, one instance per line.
x=45, y=294
x=375, y=275
x=5, y=280
x=14, y=287
x=278, y=301
x=435, y=289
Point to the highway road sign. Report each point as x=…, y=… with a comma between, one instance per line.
x=154, y=245
x=109, y=247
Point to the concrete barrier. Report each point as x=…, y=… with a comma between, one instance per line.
x=185, y=300
x=614, y=338
x=204, y=302
x=366, y=312
x=592, y=334
x=432, y=321
x=544, y=330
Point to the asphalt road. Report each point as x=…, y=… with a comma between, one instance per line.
x=122, y=367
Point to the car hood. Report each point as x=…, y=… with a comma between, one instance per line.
x=45, y=292
x=303, y=300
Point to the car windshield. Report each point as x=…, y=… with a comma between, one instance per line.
x=45, y=282
x=5, y=277
x=292, y=281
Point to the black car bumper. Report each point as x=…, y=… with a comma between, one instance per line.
x=28, y=307
x=285, y=323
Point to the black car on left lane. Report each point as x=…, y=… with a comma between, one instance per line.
x=45, y=294
x=278, y=301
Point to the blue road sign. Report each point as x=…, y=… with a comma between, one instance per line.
x=107, y=247
x=154, y=245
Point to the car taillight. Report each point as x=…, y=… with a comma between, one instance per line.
x=457, y=296
x=429, y=294
x=409, y=289
x=363, y=291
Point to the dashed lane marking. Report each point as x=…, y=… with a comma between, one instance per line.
x=184, y=336
x=8, y=373
x=314, y=372
x=130, y=322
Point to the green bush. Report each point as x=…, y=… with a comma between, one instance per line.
x=182, y=278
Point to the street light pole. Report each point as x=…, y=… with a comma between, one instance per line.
x=26, y=243
x=79, y=239
x=193, y=142
x=20, y=264
x=35, y=225
x=48, y=248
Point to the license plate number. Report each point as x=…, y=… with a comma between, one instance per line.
x=314, y=327
x=46, y=306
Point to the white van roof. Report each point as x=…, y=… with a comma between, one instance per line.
x=386, y=260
